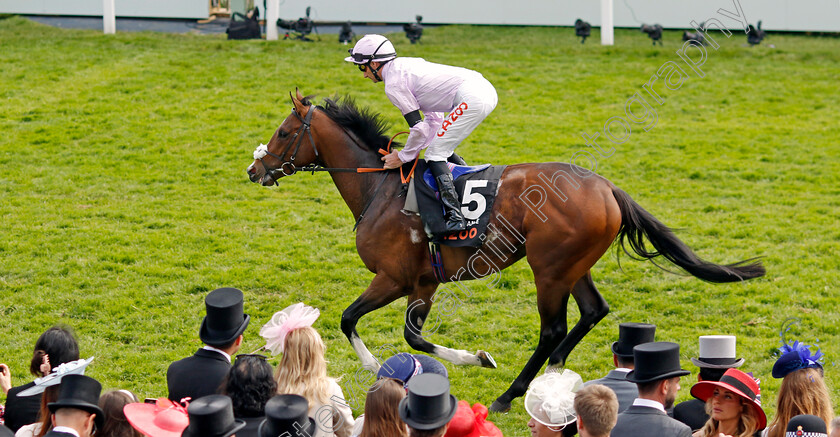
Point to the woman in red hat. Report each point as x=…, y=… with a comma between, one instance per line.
x=733, y=405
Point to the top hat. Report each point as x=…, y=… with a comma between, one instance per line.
x=163, y=419
x=656, y=361
x=428, y=404
x=805, y=425
x=225, y=319
x=739, y=383
x=404, y=366
x=286, y=415
x=80, y=392
x=717, y=352
x=212, y=416
x=632, y=334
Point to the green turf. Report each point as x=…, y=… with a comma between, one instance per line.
x=124, y=199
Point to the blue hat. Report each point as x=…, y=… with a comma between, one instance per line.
x=794, y=357
x=404, y=366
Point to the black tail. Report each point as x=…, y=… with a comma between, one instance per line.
x=636, y=224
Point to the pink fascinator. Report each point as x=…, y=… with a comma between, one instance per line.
x=285, y=321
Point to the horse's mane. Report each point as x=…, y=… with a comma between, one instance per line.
x=367, y=125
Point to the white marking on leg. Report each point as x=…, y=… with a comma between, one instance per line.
x=456, y=356
x=367, y=359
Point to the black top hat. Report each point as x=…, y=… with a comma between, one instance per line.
x=656, y=361
x=428, y=404
x=225, y=319
x=80, y=392
x=286, y=415
x=212, y=416
x=806, y=425
x=632, y=334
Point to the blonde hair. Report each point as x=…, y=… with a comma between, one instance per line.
x=303, y=368
x=802, y=392
x=747, y=421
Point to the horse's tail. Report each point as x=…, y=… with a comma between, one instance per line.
x=636, y=224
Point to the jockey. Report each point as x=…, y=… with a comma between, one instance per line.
x=414, y=85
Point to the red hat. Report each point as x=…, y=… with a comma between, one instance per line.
x=739, y=383
x=163, y=419
x=471, y=422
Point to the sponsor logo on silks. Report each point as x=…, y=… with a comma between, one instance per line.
x=459, y=111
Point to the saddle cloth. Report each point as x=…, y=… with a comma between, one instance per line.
x=476, y=187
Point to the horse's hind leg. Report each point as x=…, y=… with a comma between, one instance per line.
x=419, y=305
x=592, y=307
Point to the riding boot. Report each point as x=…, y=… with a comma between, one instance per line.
x=455, y=159
x=448, y=196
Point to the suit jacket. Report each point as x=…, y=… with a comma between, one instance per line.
x=625, y=390
x=638, y=421
x=196, y=376
x=21, y=410
x=691, y=413
x=58, y=434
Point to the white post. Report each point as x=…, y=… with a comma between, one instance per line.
x=271, y=14
x=607, y=23
x=109, y=20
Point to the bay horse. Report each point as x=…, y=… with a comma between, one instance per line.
x=560, y=217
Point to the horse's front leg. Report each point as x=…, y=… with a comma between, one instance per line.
x=381, y=291
x=416, y=328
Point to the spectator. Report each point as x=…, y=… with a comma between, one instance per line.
x=629, y=335
x=212, y=416
x=550, y=403
x=76, y=412
x=403, y=366
x=221, y=332
x=806, y=425
x=596, y=407
x=717, y=354
x=5, y=432
x=733, y=404
x=164, y=418
x=250, y=384
x=803, y=389
x=285, y=415
x=116, y=424
x=657, y=374
x=835, y=427
x=429, y=406
x=44, y=423
x=47, y=388
x=54, y=347
x=303, y=368
x=382, y=417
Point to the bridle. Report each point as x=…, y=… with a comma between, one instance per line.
x=305, y=127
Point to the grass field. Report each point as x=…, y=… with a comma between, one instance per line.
x=124, y=199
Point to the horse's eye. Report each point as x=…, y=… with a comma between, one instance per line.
x=282, y=134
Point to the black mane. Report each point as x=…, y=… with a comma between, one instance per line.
x=367, y=125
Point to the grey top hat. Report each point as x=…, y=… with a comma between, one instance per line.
x=212, y=416
x=717, y=352
x=656, y=361
x=286, y=415
x=630, y=335
x=225, y=319
x=80, y=392
x=428, y=404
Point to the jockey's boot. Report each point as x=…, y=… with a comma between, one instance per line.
x=448, y=196
x=455, y=159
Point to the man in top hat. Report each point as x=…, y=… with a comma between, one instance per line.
x=212, y=416
x=428, y=407
x=286, y=415
x=629, y=336
x=221, y=332
x=717, y=354
x=657, y=375
x=76, y=413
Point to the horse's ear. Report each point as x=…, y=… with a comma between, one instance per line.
x=300, y=108
x=299, y=95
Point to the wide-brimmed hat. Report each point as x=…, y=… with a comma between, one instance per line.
x=163, y=419
x=56, y=375
x=286, y=415
x=550, y=398
x=739, y=383
x=630, y=335
x=212, y=416
x=428, y=404
x=656, y=361
x=806, y=425
x=225, y=319
x=717, y=352
x=796, y=356
x=404, y=366
x=80, y=392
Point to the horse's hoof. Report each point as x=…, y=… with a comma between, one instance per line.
x=499, y=407
x=486, y=360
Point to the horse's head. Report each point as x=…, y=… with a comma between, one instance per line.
x=290, y=148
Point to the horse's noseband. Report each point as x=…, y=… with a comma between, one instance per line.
x=288, y=168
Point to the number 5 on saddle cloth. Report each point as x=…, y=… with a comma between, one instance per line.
x=476, y=187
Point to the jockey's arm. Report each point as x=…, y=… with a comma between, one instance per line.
x=420, y=134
